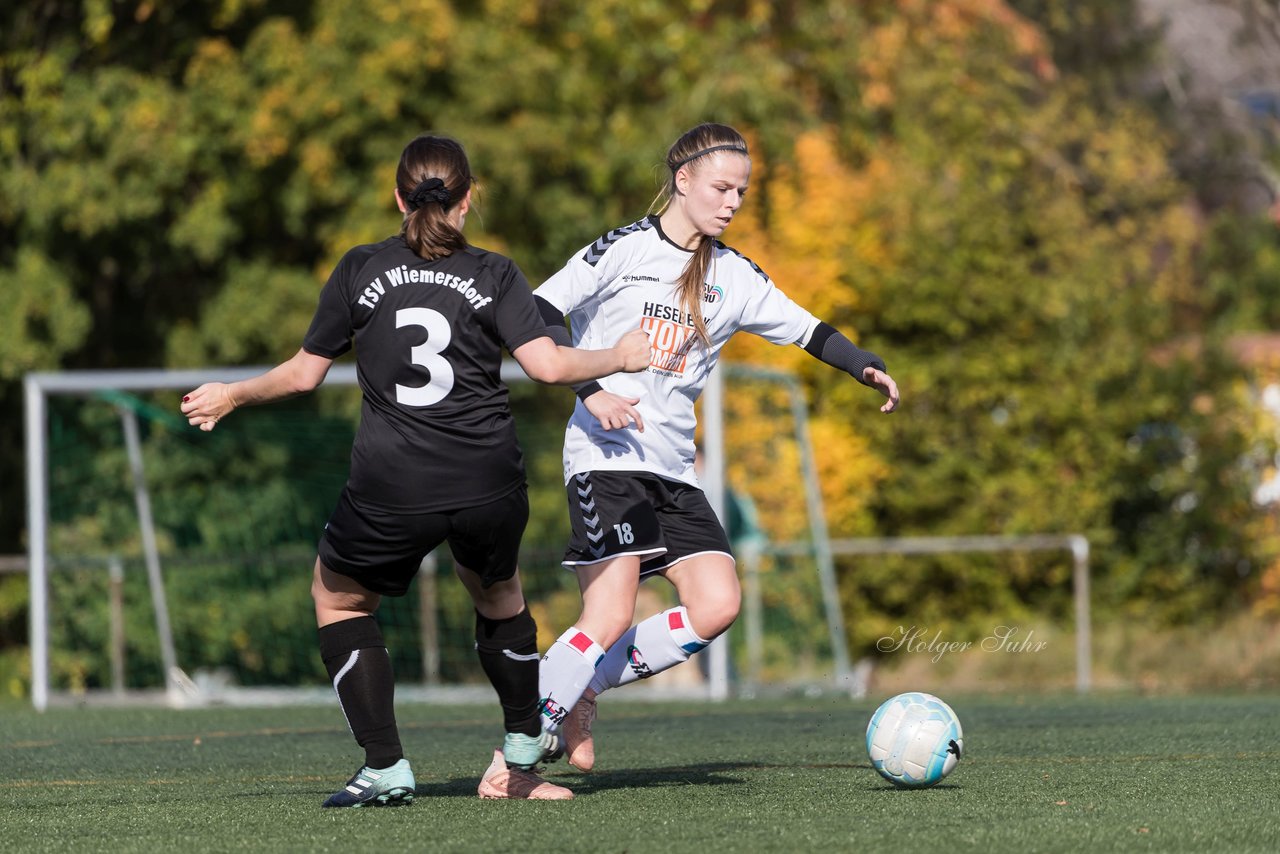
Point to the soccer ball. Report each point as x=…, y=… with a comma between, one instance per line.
x=914, y=740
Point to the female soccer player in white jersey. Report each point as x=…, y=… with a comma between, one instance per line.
x=634, y=502
x=435, y=459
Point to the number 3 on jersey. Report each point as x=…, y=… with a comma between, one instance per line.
x=427, y=355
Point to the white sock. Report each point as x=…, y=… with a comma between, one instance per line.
x=649, y=647
x=563, y=675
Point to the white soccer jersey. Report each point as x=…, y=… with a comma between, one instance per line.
x=627, y=279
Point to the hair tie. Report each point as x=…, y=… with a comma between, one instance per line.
x=733, y=146
x=430, y=190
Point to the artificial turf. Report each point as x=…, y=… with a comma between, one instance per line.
x=1043, y=773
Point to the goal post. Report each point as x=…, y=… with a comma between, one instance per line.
x=38, y=388
x=820, y=540
x=41, y=388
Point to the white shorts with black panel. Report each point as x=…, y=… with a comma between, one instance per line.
x=659, y=520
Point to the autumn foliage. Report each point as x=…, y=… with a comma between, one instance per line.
x=176, y=180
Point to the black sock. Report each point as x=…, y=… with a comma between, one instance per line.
x=360, y=669
x=508, y=651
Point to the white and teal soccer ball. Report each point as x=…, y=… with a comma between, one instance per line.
x=914, y=740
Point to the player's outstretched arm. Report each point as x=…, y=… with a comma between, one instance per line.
x=211, y=402
x=548, y=362
x=830, y=346
x=613, y=411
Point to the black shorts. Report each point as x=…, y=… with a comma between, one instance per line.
x=661, y=521
x=382, y=551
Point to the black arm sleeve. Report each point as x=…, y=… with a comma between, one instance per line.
x=558, y=333
x=551, y=316
x=830, y=346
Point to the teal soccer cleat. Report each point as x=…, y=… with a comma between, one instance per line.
x=376, y=787
x=525, y=751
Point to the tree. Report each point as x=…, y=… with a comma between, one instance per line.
x=942, y=180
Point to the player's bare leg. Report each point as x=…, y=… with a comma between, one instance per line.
x=608, y=604
x=708, y=587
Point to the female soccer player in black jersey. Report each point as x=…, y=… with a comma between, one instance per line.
x=629, y=450
x=435, y=459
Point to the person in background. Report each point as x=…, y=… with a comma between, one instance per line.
x=435, y=460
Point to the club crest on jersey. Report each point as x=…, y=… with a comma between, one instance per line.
x=712, y=293
x=638, y=666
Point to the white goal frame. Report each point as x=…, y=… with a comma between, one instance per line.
x=178, y=690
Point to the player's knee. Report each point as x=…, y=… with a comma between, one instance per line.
x=730, y=610
x=613, y=630
x=712, y=616
x=499, y=601
x=605, y=628
x=334, y=605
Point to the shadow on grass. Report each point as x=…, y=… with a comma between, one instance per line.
x=709, y=774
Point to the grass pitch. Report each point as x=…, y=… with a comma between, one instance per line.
x=1043, y=774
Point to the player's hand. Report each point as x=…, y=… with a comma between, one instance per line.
x=205, y=406
x=634, y=349
x=884, y=384
x=613, y=411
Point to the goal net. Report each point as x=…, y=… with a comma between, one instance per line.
x=174, y=565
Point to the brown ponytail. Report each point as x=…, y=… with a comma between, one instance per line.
x=432, y=177
x=687, y=151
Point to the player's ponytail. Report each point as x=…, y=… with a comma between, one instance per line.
x=688, y=152
x=432, y=177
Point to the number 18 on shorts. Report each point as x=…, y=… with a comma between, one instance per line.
x=612, y=514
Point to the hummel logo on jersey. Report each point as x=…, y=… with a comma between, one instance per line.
x=712, y=293
x=596, y=250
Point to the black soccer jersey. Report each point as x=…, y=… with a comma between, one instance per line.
x=436, y=431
